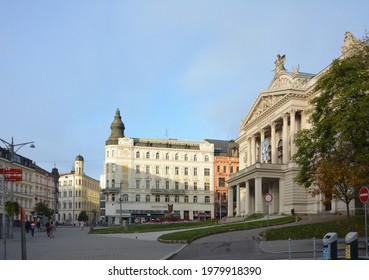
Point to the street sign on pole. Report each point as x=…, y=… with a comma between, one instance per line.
x=268, y=198
x=364, y=194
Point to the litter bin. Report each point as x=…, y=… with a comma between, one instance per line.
x=352, y=246
x=330, y=246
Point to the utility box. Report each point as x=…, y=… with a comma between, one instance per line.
x=330, y=246
x=352, y=246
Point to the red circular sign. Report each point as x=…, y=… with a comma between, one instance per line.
x=268, y=197
x=364, y=194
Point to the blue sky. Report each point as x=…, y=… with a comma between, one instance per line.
x=188, y=70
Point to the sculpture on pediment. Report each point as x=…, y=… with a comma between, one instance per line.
x=279, y=63
x=350, y=44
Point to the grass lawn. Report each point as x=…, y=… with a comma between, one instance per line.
x=317, y=230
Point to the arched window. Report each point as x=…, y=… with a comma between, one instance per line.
x=186, y=157
x=137, y=154
x=148, y=198
x=148, y=155
x=176, y=157
x=167, y=156
x=157, y=156
x=195, y=158
x=125, y=197
x=167, y=198
x=186, y=199
x=195, y=199
x=138, y=198
x=113, y=183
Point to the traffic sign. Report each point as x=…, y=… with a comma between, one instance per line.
x=10, y=170
x=364, y=194
x=268, y=198
x=13, y=178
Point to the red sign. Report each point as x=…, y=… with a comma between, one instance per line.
x=11, y=171
x=13, y=178
x=364, y=194
x=268, y=198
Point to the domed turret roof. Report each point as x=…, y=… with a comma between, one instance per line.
x=117, y=130
x=79, y=158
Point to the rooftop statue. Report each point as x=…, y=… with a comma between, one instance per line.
x=279, y=63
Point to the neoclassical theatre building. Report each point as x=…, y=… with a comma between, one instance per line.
x=149, y=179
x=266, y=146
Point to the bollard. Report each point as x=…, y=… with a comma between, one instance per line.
x=289, y=249
x=314, y=248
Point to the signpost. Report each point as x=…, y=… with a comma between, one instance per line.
x=364, y=195
x=11, y=175
x=268, y=198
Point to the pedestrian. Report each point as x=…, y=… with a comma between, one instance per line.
x=48, y=228
x=38, y=224
x=27, y=224
x=33, y=226
x=82, y=225
x=52, y=229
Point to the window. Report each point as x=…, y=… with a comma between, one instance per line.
x=157, y=198
x=157, y=184
x=207, y=199
x=167, y=198
x=207, y=186
x=113, y=197
x=218, y=168
x=207, y=158
x=113, y=183
x=176, y=198
x=167, y=170
x=186, y=157
x=137, y=169
x=177, y=170
x=186, y=186
x=186, y=171
x=176, y=157
x=125, y=197
x=157, y=156
x=147, y=169
x=231, y=169
x=167, y=156
x=137, y=154
x=186, y=199
x=107, y=154
x=147, y=184
x=195, y=171
x=207, y=172
x=176, y=185
x=221, y=182
x=167, y=184
x=225, y=169
x=148, y=155
x=137, y=184
x=195, y=199
x=157, y=169
x=195, y=158
x=195, y=186
x=138, y=198
x=147, y=198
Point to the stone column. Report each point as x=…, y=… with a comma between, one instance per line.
x=238, y=201
x=262, y=138
x=281, y=196
x=249, y=149
x=230, y=201
x=247, y=198
x=272, y=141
x=253, y=149
x=258, y=195
x=285, y=139
x=293, y=130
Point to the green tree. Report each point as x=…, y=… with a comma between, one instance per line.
x=83, y=217
x=12, y=208
x=334, y=153
x=42, y=208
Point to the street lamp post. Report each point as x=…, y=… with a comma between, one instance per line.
x=10, y=147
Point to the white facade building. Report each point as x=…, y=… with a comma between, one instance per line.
x=266, y=145
x=149, y=179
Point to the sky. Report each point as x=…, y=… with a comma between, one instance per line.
x=188, y=70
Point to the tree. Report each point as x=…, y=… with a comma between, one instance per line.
x=334, y=153
x=12, y=208
x=42, y=208
x=83, y=217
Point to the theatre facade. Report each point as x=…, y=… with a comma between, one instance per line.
x=266, y=146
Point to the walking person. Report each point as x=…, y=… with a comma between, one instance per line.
x=38, y=225
x=33, y=226
x=82, y=224
x=48, y=228
x=52, y=229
